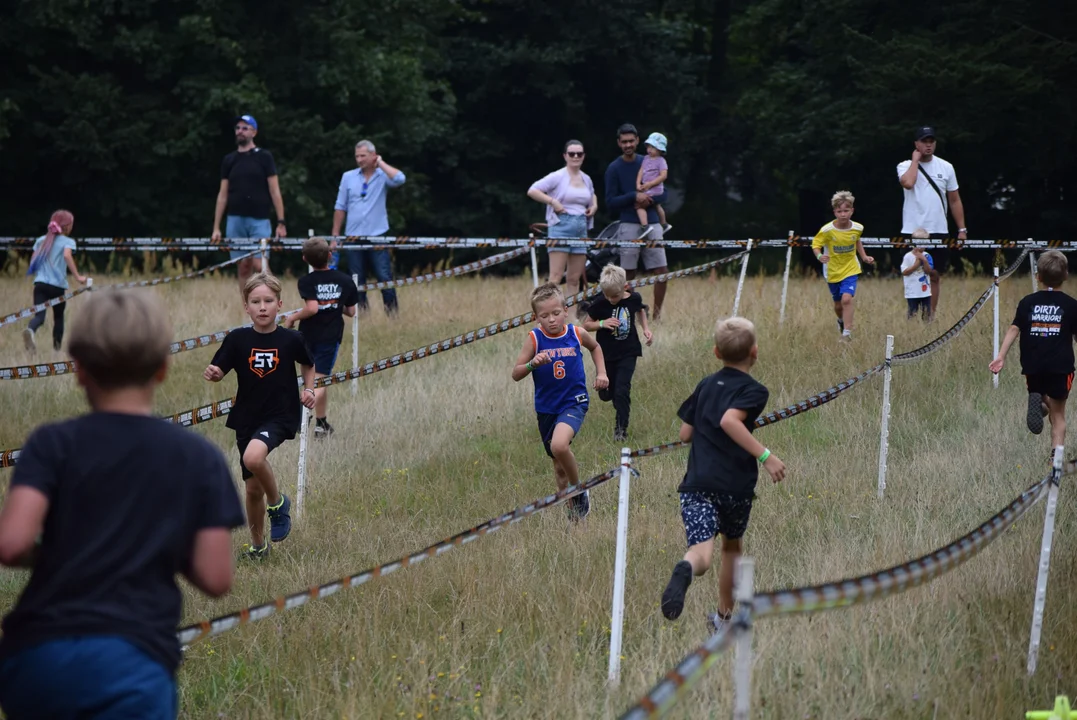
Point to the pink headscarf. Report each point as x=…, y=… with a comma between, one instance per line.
x=59, y=220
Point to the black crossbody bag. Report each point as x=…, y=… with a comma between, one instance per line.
x=942, y=198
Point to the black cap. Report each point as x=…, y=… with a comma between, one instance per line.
x=923, y=132
x=626, y=129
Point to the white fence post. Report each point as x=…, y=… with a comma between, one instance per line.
x=534, y=263
x=743, y=272
x=1045, y=564
x=262, y=244
x=355, y=340
x=89, y=283
x=994, y=344
x=310, y=268
x=301, y=481
x=742, y=667
x=884, y=426
x=1032, y=267
x=785, y=277
x=617, y=617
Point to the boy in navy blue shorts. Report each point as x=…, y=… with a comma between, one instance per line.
x=553, y=355
x=719, y=484
x=329, y=296
x=107, y=508
x=266, y=411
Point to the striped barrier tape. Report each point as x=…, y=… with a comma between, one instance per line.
x=31, y=311
x=216, y=626
x=660, y=698
x=177, y=278
x=451, y=272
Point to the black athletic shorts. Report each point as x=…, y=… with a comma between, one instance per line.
x=272, y=433
x=1052, y=385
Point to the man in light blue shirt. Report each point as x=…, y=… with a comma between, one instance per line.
x=361, y=198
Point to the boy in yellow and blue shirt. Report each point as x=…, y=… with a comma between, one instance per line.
x=837, y=245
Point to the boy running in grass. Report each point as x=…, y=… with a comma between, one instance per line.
x=837, y=245
x=553, y=355
x=719, y=484
x=266, y=411
x=107, y=508
x=1046, y=321
x=613, y=319
x=329, y=296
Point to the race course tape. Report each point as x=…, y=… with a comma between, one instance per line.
x=660, y=698
x=451, y=272
x=177, y=278
x=30, y=311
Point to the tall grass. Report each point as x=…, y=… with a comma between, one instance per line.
x=517, y=624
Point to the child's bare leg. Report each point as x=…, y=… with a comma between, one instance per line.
x=936, y=281
x=321, y=399
x=561, y=447
x=256, y=458
x=847, y=311
x=731, y=550
x=641, y=213
x=838, y=310
x=661, y=214
x=1056, y=413
x=699, y=557
x=256, y=512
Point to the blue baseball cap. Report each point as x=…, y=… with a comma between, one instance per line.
x=249, y=119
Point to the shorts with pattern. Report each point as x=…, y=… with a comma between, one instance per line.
x=707, y=515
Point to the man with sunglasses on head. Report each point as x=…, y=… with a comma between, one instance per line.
x=249, y=185
x=361, y=198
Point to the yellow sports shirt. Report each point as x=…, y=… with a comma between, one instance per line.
x=840, y=245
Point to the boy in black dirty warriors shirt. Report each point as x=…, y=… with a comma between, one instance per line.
x=1046, y=322
x=329, y=296
x=267, y=408
x=718, y=487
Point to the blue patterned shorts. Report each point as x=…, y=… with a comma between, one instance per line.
x=707, y=515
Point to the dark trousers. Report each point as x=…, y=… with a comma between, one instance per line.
x=380, y=262
x=620, y=373
x=42, y=293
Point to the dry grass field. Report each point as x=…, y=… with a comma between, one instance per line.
x=517, y=624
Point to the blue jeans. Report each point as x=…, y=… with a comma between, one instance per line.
x=239, y=227
x=86, y=677
x=381, y=262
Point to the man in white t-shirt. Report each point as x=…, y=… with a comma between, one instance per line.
x=916, y=274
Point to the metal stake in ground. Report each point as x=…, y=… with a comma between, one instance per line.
x=617, y=617
x=785, y=277
x=994, y=344
x=1045, y=564
x=884, y=425
x=355, y=341
x=742, y=667
x=743, y=272
x=534, y=262
x=1032, y=267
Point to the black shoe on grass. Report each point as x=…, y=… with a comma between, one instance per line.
x=673, y=597
x=1034, y=418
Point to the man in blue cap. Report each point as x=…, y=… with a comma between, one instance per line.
x=249, y=185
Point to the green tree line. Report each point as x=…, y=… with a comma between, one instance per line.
x=121, y=111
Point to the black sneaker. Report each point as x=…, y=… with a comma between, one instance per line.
x=323, y=429
x=841, y=326
x=673, y=597
x=250, y=552
x=620, y=434
x=280, y=521
x=579, y=506
x=1035, y=414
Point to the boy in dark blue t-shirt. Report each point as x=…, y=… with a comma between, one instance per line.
x=719, y=484
x=107, y=508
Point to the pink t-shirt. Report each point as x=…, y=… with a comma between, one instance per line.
x=652, y=168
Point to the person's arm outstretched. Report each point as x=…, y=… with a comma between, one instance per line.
x=307, y=311
x=1000, y=360
x=589, y=342
x=732, y=424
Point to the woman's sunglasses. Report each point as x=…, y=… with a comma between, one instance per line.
x=575, y=154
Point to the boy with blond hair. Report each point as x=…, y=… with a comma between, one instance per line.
x=267, y=408
x=837, y=246
x=553, y=355
x=107, y=508
x=1046, y=322
x=613, y=319
x=719, y=484
x=329, y=295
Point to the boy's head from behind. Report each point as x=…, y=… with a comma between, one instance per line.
x=258, y=280
x=121, y=338
x=734, y=341
x=612, y=282
x=1053, y=268
x=316, y=253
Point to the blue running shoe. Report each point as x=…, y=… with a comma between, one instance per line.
x=280, y=522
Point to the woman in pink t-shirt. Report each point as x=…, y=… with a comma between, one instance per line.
x=571, y=203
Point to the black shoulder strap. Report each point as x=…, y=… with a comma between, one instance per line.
x=942, y=198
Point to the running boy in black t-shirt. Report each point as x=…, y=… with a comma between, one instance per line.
x=266, y=411
x=718, y=487
x=1046, y=321
x=107, y=508
x=329, y=294
x=613, y=320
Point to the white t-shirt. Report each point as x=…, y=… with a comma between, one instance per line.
x=917, y=284
x=923, y=208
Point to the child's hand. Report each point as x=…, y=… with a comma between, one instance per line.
x=540, y=359
x=601, y=381
x=775, y=467
x=649, y=336
x=997, y=365
x=307, y=398
x=289, y=321
x=213, y=374
x=869, y=259
x=824, y=258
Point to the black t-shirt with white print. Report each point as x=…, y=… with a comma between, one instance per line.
x=265, y=369
x=334, y=291
x=620, y=340
x=1047, y=320
x=716, y=464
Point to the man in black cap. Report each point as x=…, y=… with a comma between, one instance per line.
x=249, y=185
x=930, y=185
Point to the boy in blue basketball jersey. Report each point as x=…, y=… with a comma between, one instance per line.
x=553, y=355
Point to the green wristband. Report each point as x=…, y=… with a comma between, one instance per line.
x=764, y=456
x=528, y=366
